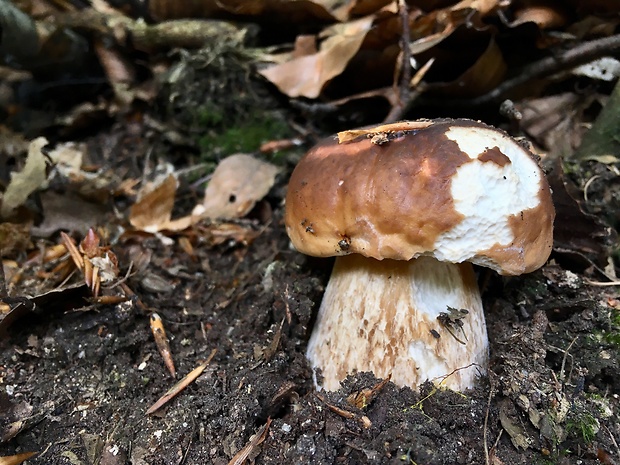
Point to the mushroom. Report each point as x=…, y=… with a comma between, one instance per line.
x=407, y=208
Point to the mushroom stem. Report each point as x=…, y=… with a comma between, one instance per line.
x=400, y=318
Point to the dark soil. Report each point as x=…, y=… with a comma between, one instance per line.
x=87, y=378
x=76, y=385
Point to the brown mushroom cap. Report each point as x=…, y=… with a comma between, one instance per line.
x=457, y=190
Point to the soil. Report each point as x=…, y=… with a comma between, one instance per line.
x=76, y=384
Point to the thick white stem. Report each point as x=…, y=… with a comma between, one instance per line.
x=382, y=317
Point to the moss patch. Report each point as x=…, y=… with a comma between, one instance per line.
x=245, y=135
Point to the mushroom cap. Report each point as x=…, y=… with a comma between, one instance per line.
x=457, y=190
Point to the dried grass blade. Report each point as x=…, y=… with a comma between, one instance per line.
x=178, y=387
x=256, y=440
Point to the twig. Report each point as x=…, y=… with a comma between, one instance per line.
x=613, y=440
x=559, y=61
x=444, y=377
x=178, y=387
x=601, y=283
x=588, y=184
x=3, y=290
x=485, y=444
x=403, y=92
x=564, y=359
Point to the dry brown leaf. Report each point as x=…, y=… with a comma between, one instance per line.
x=366, y=7
x=295, y=11
x=225, y=232
x=152, y=212
x=67, y=211
x=238, y=182
x=16, y=459
x=119, y=71
x=429, y=41
x=14, y=238
x=67, y=158
x=304, y=45
x=28, y=180
x=347, y=136
x=255, y=441
x=518, y=434
x=484, y=7
x=544, y=16
x=555, y=122
x=484, y=75
x=305, y=76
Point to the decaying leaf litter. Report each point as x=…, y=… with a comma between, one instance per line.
x=132, y=143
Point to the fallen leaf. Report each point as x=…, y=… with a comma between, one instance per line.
x=14, y=238
x=152, y=212
x=305, y=76
x=238, y=182
x=220, y=233
x=255, y=441
x=486, y=73
x=544, y=16
x=59, y=300
x=483, y=7
x=347, y=136
x=28, y=180
x=67, y=158
x=518, y=436
x=298, y=11
x=67, y=211
x=16, y=459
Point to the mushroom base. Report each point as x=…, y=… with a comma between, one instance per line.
x=401, y=319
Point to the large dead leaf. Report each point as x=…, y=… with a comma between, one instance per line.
x=16, y=459
x=305, y=76
x=28, y=180
x=555, y=122
x=483, y=75
x=67, y=211
x=296, y=11
x=238, y=182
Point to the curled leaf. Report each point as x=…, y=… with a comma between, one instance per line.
x=305, y=76
x=28, y=180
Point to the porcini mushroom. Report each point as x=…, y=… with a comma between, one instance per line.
x=406, y=208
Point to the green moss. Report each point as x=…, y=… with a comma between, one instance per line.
x=245, y=136
x=583, y=426
x=613, y=335
x=210, y=115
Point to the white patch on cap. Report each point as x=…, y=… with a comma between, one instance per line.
x=487, y=194
x=475, y=140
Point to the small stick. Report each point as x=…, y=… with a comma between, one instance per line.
x=178, y=387
x=162, y=342
x=485, y=444
x=564, y=359
x=403, y=92
x=4, y=293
